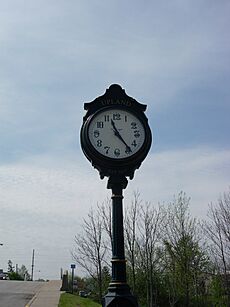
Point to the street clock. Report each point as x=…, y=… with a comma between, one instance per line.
x=115, y=135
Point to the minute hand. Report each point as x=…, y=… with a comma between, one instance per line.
x=117, y=133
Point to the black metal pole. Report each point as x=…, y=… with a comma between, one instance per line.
x=72, y=278
x=119, y=294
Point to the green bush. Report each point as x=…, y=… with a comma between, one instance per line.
x=15, y=276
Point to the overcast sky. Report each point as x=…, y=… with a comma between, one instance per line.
x=55, y=55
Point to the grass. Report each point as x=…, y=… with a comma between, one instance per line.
x=70, y=300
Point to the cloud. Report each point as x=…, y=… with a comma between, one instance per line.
x=42, y=206
x=44, y=201
x=153, y=44
x=202, y=172
x=45, y=198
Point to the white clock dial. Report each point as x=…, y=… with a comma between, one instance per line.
x=116, y=133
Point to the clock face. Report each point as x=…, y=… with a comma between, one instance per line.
x=116, y=133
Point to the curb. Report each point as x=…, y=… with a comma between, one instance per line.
x=38, y=297
x=31, y=301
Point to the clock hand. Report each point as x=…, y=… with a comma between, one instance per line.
x=117, y=133
x=121, y=138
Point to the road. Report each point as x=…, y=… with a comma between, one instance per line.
x=17, y=293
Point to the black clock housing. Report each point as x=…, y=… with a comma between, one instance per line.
x=114, y=98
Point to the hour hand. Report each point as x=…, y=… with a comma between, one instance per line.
x=114, y=127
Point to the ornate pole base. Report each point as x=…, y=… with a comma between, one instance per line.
x=119, y=295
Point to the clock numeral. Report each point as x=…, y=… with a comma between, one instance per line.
x=128, y=150
x=116, y=116
x=106, y=118
x=134, y=143
x=136, y=133
x=100, y=124
x=107, y=148
x=96, y=133
x=117, y=152
x=133, y=125
x=99, y=143
x=125, y=118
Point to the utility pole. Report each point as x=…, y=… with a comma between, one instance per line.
x=32, y=266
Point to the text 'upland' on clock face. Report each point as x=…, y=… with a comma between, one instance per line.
x=116, y=133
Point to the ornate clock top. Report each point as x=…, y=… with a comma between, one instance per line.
x=114, y=95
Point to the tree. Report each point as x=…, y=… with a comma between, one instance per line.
x=10, y=267
x=218, y=231
x=90, y=250
x=130, y=231
x=105, y=210
x=106, y=278
x=185, y=259
x=168, y=262
x=148, y=244
x=21, y=274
